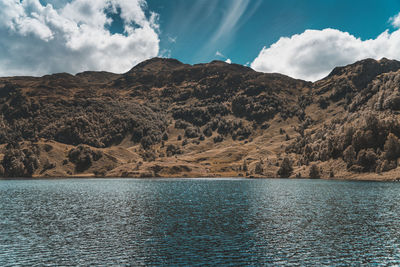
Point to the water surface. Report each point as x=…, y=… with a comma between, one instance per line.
x=201, y=222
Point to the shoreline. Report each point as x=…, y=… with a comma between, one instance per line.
x=197, y=177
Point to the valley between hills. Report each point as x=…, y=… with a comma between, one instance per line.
x=164, y=118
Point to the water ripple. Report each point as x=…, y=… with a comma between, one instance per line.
x=198, y=222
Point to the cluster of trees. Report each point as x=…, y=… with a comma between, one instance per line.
x=371, y=146
x=19, y=162
x=83, y=156
x=94, y=122
x=236, y=128
x=199, y=115
x=263, y=107
x=286, y=170
x=195, y=115
x=173, y=150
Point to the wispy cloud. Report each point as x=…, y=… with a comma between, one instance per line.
x=219, y=54
x=172, y=39
x=235, y=13
x=395, y=21
x=228, y=24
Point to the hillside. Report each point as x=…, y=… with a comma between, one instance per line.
x=164, y=118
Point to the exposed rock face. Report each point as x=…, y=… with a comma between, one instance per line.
x=165, y=118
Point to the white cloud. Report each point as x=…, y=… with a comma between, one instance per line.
x=219, y=54
x=172, y=39
x=312, y=54
x=165, y=53
x=233, y=16
x=395, y=21
x=37, y=39
x=230, y=20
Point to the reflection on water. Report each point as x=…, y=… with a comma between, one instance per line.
x=198, y=221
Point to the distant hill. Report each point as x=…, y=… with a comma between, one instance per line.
x=164, y=118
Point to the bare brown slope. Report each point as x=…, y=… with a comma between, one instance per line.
x=169, y=119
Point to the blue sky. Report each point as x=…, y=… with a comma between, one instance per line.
x=194, y=24
x=302, y=39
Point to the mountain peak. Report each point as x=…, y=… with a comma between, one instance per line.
x=367, y=66
x=157, y=64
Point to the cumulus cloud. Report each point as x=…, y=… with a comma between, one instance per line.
x=228, y=60
x=72, y=36
x=312, y=54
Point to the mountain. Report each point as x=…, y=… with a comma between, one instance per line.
x=164, y=118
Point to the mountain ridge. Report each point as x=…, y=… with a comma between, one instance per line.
x=164, y=118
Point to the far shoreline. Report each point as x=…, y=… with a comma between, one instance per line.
x=352, y=179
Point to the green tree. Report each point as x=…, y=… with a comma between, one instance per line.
x=286, y=168
x=314, y=172
x=392, y=147
x=259, y=168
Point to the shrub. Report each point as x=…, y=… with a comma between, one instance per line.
x=219, y=138
x=48, y=147
x=244, y=167
x=323, y=103
x=173, y=150
x=165, y=137
x=148, y=155
x=285, y=169
x=241, y=133
x=265, y=126
x=180, y=124
x=207, y=131
x=259, y=168
x=48, y=165
x=192, y=132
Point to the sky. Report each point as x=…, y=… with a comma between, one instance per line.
x=302, y=39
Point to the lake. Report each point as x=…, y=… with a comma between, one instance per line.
x=105, y=222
